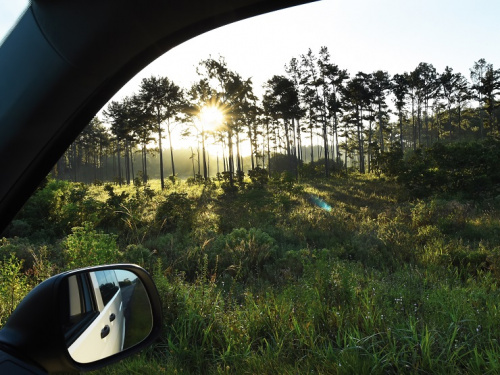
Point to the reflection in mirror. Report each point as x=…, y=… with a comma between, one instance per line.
x=104, y=312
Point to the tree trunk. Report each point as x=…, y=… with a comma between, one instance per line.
x=171, y=148
x=401, y=130
x=119, y=162
x=381, y=127
x=230, y=157
x=205, y=170
x=360, y=143
x=162, y=178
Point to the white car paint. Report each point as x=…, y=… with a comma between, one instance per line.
x=89, y=346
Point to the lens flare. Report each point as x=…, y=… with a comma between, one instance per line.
x=318, y=202
x=211, y=117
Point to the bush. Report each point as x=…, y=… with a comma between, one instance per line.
x=54, y=209
x=467, y=168
x=13, y=286
x=176, y=213
x=259, y=177
x=243, y=252
x=85, y=247
x=137, y=254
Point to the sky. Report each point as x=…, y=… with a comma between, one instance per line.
x=361, y=35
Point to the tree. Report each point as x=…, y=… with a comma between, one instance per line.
x=142, y=125
x=462, y=96
x=357, y=96
x=163, y=100
x=294, y=73
x=231, y=93
x=282, y=102
x=400, y=88
x=118, y=114
x=335, y=77
x=448, y=81
x=490, y=88
x=476, y=74
x=314, y=73
x=379, y=85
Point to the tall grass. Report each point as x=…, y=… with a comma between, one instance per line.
x=343, y=276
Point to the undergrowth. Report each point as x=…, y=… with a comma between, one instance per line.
x=340, y=276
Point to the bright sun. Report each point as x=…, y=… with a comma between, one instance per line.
x=211, y=117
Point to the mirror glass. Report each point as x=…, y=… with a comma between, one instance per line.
x=103, y=313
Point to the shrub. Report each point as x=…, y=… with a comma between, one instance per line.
x=54, y=209
x=468, y=168
x=175, y=213
x=244, y=252
x=259, y=177
x=137, y=254
x=13, y=286
x=85, y=247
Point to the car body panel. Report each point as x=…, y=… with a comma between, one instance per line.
x=90, y=346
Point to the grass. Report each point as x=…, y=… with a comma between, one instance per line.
x=340, y=276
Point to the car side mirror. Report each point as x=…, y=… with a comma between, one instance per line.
x=84, y=319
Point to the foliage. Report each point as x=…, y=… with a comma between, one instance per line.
x=86, y=247
x=259, y=177
x=13, y=286
x=175, y=213
x=54, y=209
x=324, y=276
x=243, y=252
x=467, y=168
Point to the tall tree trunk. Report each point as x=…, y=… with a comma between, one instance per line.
x=239, y=166
x=192, y=162
x=370, y=145
x=251, y=140
x=132, y=162
x=127, y=161
x=312, y=140
x=162, y=177
x=325, y=145
x=268, y=148
x=205, y=169
x=171, y=148
x=381, y=127
x=360, y=142
x=299, y=141
x=401, y=130
x=119, y=162
x=230, y=157
x=199, y=158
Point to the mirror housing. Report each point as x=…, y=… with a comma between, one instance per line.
x=34, y=331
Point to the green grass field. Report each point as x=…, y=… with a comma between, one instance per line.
x=339, y=276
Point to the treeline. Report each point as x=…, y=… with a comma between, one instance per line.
x=314, y=112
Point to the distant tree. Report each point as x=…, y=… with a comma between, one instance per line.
x=335, y=77
x=462, y=96
x=427, y=89
x=477, y=73
x=400, y=88
x=142, y=125
x=490, y=89
x=357, y=99
x=314, y=72
x=231, y=93
x=448, y=81
x=163, y=100
x=294, y=74
x=282, y=102
x=118, y=114
x=380, y=84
